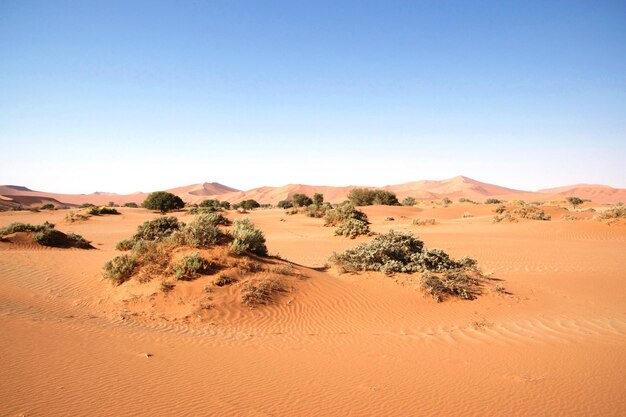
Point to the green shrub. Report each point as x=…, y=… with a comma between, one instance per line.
x=246, y=237
x=222, y=280
x=25, y=227
x=466, y=200
x=211, y=203
x=342, y=213
x=409, y=201
x=126, y=244
x=191, y=266
x=158, y=229
x=249, y=204
x=87, y=205
x=352, y=228
x=97, y=211
x=368, y=197
x=301, y=200
x=203, y=230
x=47, y=207
x=284, y=204
x=318, y=199
x=131, y=205
x=120, y=268
x=163, y=201
x=493, y=201
x=58, y=239
x=531, y=212
x=398, y=252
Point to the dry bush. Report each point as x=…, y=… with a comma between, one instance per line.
x=261, y=291
x=424, y=222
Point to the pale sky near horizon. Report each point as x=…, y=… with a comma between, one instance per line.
x=125, y=96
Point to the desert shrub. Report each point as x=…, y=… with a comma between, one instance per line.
x=301, y=200
x=126, y=244
x=493, y=201
x=47, y=207
x=97, y=211
x=203, y=230
x=389, y=219
x=318, y=199
x=120, y=268
x=467, y=214
x=466, y=200
x=456, y=283
x=342, y=213
x=131, y=205
x=367, y=197
x=285, y=204
x=58, y=239
x=87, y=205
x=505, y=216
x=531, y=212
x=397, y=252
x=316, y=211
x=352, y=228
x=409, y=201
x=569, y=217
x=246, y=237
x=424, y=222
x=72, y=217
x=25, y=227
x=614, y=212
x=249, y=204
x=211, y=203
x=223, y=280
x=447, y=201
x=574, y=201
x=260, y=292
x=191, y=266
x=163, y=201
x=500, y=209
x=158, y=228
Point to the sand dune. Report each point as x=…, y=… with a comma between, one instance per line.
x=333, y=344
x=452, y=188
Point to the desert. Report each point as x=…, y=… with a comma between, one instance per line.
x=543, y=335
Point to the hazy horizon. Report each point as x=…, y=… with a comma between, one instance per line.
x=121, y=97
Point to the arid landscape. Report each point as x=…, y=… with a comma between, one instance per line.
x=543, y=335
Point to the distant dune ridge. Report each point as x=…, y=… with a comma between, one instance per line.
x=453, y=188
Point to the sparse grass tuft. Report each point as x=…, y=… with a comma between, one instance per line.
x=260, y=292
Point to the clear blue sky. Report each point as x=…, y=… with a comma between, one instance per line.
x=131, y=95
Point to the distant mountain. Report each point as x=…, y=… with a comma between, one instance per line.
x=453, y=188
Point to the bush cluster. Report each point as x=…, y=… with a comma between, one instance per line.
x=46, y=235
x=614, y=212
x=191, y=266
x=351, y=222
x=493, y=201
x=368, y=197
x=25, y=227
x=98, y=211
x=398, y=252
x=409, y=201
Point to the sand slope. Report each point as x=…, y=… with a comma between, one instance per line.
x=335, y=344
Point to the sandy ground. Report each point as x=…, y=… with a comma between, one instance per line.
x=337, y=344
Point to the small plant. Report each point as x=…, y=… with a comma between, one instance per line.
x=47, y=207
x=249, y=204
x=158, y=228
x=166, y=287
x=446, y=201
x=500, y=209
x=126, y=244
x=531, y=212
x=343, y=213
x=301, y=200
x=163, y=201
x=493, y=201
x=318, y=199
x=506, y=216
x=409, y=201
x=131, y=205
x=191, y=266
x=455, y=283
x=246, y=237
x=260, y=292
x=467, y=214
x=424, y=222
x=120, y=268
x=352, y=228
x=389, y=219
x=223, y=280
x=72, y=217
